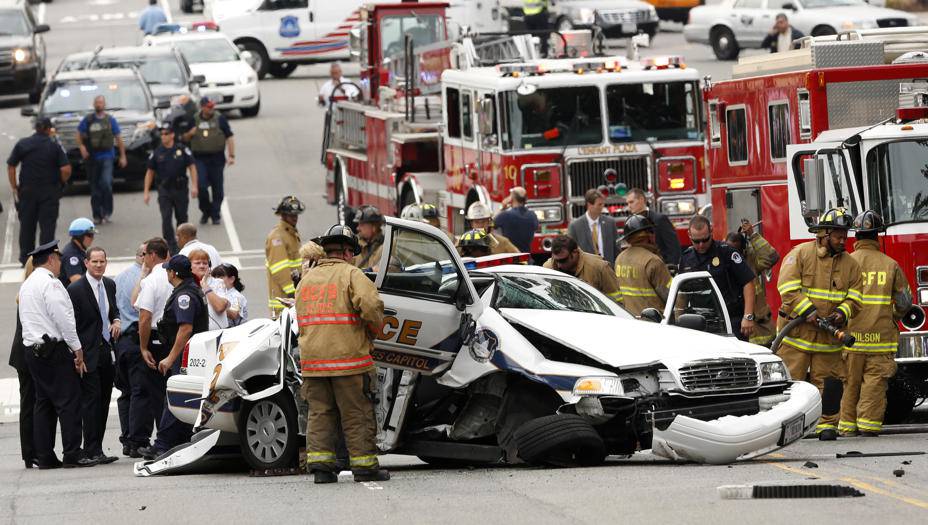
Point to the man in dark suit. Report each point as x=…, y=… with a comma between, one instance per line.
x=594, y=232
x=665, y=234
x=92, y=294
x=782, y=37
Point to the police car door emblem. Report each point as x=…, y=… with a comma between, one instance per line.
x=183, y=302
x=715, y=261
x=289, y=26
x=484, y=345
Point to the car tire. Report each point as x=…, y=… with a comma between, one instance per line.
x=281, y=69
x=263, y=62
x=449, y=463
x=561, y=440
x=724, y=44
x=824, y=31
x=268, y=432
x=252, y=111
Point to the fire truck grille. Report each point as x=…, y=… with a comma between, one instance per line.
x=892, y=22
x=585, y=175
x=719, y=374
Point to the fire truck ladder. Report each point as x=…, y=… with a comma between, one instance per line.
x=508, y=49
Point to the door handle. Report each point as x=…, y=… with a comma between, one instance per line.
x=389, y=311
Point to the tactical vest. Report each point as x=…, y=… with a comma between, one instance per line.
x=100, y=132
x=208, y=137
x=167, y=326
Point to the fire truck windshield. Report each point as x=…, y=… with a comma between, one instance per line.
x=653, y=111
x=424, y=30
x=552, y=117
x=898, y=180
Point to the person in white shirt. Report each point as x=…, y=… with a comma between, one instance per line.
x=187, y=240
x=214, y=289
x=238, y=304
x=55, y=360
x=336, y=86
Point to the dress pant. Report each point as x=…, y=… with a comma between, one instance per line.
x=171, y=431
x=96, y=392
x=100, y=172
x=136, y=416
x=57, y=396
x=210, y=168
x=173, y=201
x=37, y=207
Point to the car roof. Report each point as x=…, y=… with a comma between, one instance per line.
x=97, y=74
x=189, y=35
x=129, y=51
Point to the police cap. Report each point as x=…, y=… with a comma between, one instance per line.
x=180, y=265
x=339, y=234
x=49, y=247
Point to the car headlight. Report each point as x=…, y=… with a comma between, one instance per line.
x=586, y=16
x=858, y=24
x=21, y=55
x=548, y=213
x=653, y=13
x=247, y=79
x=678, y=207
x=598, y=386
x=774, y=372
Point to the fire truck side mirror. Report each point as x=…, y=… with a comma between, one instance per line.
x=788, y=5
x=357, y=43
x=486, y=116
x=814, y=176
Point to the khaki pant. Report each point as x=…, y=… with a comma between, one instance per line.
x=864, y=398
x=814, y=367
x=348, y=398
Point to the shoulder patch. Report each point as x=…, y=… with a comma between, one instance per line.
x=183, y=301
x=188, y=152
x=736, y=257
x=73, y=260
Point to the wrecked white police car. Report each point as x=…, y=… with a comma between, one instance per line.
x=482, y=361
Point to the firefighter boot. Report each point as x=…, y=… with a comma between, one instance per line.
x=371, y=475
x=324, y=476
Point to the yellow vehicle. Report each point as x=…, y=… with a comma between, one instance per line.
x=674, y=10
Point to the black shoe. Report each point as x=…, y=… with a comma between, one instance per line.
x=50, y=466
x=103, y=459
x=828, y=435
x=149, y=453
x=322, y=476
x=82, y=462
x=372, y=475
x=216, y=221
x=870, y=434
x=204, y=218
x=131, y=451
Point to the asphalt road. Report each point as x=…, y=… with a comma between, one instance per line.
x=278, y=155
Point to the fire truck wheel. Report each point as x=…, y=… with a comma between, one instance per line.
x=823, y=31
x=724, y=44
x=262, y=62
x=281, y=69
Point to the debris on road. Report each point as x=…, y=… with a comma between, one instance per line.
x=898, y=473
x=809, y=464
x=787, y=491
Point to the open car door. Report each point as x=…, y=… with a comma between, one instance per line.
x=694, y=301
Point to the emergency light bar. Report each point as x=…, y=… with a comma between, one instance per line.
x=208, y=25
x=476, y=263
x=666, y=62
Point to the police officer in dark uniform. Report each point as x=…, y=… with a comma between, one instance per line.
x=82, y=232
x=44, y=170
x=166, y=167
x=729, y=270
x=185, y=314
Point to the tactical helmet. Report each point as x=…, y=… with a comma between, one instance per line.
x=81, y=226
x=833, y=219
x=869, y=222
x=369, y=214
x=635, y=224
x=290, y=205
x=478, y=210
x=339, y=234
x=412, y=212
x=477, y=238
x=429, y=211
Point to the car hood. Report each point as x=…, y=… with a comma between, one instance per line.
x=629, y=343
x=221, y=71
x=855, y=12
x=122, y=116
x=162, y=91
x=10, y=41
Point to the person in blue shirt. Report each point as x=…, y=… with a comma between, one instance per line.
x=98, y=135
x=152, y=17
x=518, y=223
x=135, y=421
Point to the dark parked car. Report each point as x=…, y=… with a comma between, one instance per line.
x=69, y=97
x=22, y=51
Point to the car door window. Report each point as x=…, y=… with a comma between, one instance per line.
x=778, y=4
x=420, y=265
x=749, y=4
x=696, y=296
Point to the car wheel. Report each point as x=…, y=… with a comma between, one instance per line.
x=268, y=432
x=824, y=31
x=281, y=69
x=252, y=111
x=560, y=439
x=262, y=63
x=724, y=44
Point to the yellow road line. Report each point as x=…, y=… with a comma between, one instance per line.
x=868, y=487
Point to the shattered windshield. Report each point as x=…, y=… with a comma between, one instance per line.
x=553, y=117
x=898, y=180
x=543, y=292
x=653, y=111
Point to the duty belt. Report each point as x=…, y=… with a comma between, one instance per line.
x=173, y=183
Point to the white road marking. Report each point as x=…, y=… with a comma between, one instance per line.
x=113, y=268
x=371, y=485
x=166, y=6
x=118, y=17
x=234, y=241
x=8, y=232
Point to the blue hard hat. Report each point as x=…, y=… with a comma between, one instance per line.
x=81, y=226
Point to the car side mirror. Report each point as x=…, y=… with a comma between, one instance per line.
x=692, y=321
x=162, y=103
x=814, y=169
x=461, y=296
x=41, y=28
x=651, y=314
x=28, y=111
x=199, y=79
x=789, y=5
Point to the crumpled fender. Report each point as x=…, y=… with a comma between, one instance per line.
x=179, y=456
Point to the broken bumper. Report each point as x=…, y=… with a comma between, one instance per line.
x=731, y=438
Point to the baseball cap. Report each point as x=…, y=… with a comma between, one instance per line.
x=43, y=123
x=166, y=126
x=180, y=265
x=207, y=102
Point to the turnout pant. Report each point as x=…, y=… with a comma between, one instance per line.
x=210, y=168
x=100, y=174
x=864, y=400
x=348, y=398
x=817, y=368
x=38, y=207
x=57, y=396
x=26, y=411
x=172, y=202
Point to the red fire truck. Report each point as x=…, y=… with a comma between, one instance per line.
x=460, y=122
x=795, y=133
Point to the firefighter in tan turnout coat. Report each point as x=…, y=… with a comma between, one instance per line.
x=282, y=253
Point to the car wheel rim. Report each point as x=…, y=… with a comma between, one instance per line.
x=267, y=431
x=723, y=42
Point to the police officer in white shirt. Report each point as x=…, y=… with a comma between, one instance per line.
x=149, y=298
x=336, y=85
x=55, y=360
x=187, y=239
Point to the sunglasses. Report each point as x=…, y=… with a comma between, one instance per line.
x=700, y=241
